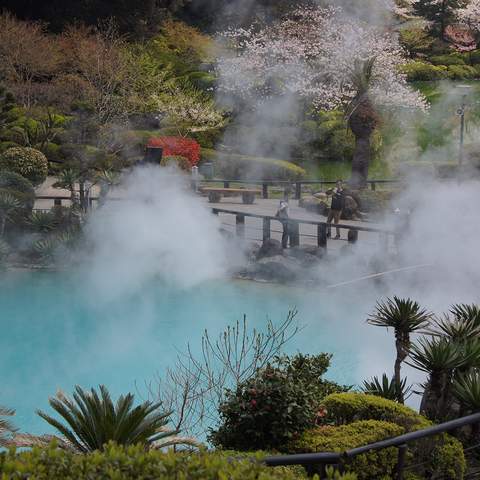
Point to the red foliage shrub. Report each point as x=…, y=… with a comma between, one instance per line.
x=178, y=146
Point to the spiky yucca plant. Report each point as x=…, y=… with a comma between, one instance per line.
x=387, y=388
x=6, y=427
x=42, y=222
x=462, y=323
x=8, y=204
x=405, y=316
x=91, y=420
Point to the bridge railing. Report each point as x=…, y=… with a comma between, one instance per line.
x=290, y=187
x=318, y=461
x=322, y=229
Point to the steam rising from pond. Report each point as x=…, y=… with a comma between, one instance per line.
x=152, y=227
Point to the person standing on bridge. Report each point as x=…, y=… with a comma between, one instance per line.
x=336, y=209
x=282, y=215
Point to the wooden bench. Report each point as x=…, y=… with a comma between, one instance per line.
x=215, y=194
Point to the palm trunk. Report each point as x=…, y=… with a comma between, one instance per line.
x=361, y=160
x=402, y=348
x=3, y=220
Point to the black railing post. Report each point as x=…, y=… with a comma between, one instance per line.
x=402, y=455
x=226, y=184
x=374, y=185
x=322, y=235
x=266, y=229
x=265, y=190
x=240, y=225
x=294, y=233
x=298, y=190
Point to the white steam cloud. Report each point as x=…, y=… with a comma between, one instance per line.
x=152, y=227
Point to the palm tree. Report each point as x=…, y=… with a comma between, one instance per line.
x=387, y=388
x=42, y=222
x=8, y=204
x=438, y=357
x=93, y=420
x=67, y=179
x=362, y=120
x=6, y=427
x=461, y=325
x=405, y=316
x=466, y=390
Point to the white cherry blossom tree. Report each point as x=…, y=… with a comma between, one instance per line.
x=329, y=59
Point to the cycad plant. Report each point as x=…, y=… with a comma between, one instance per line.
x=6, y=427
x=405, y=316
x=42, y=222
x=466, y=390
x=8, y=205
x=462, y=324
x=91, y=420
x=387, y=388
x=438, y=357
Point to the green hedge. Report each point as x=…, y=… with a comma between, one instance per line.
x=120, y=463
x=447, y=60
x=379, y=464
x=462, y=72
x=422, y=71
x=235, y=166
x=442, y=456
x=349, y=407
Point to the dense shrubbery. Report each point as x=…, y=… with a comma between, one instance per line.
x=230, y=165
x=19, y=187
x=423, y=71
x=28, y=162
x=133, y=463
x=178, y=147
x=377, y=464
x=276, y=405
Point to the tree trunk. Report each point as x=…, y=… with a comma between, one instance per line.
x=3, y=220
x=361, y=161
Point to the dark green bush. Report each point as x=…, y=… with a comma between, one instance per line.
x=275, y=406
x=28, y=162
x=377, y=464
x=235, y=166
x=462, y=72
x=422, y=71
x=133, y=463
x=416, y=40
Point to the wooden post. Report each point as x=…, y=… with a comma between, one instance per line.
x=266, y=229
x=294, y=232
x=402, y=454
x=322, y=235
x=265, y=190
x=298, y=190
x=240, y=225
x=226, y=184
x=374, y=186
x=215, y=211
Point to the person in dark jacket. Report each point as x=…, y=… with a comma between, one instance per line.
x=338, y=204
x=282, y=215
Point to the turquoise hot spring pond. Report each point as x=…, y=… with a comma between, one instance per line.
x=54, y=333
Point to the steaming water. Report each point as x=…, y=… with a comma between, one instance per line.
x=53, y=336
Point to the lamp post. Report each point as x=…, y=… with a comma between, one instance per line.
x=461, y=113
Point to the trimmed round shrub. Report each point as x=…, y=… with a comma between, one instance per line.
x=132, y=463
x=28, y=162
x=181, y=162
x=376, y=464
x=348, y=407
x=441, y=456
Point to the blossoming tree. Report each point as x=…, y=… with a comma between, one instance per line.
x=329, y=59
x=470, y=15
